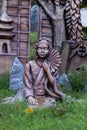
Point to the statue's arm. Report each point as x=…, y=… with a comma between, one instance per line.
x=48, y=73
x=47, y=11
x=28, y=90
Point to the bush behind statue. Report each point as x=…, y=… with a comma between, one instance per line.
x=4, y=81
x=78, y=79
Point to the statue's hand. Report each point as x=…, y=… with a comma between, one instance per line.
x=45, y=66
x=32, y=101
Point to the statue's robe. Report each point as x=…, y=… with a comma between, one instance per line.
x=36, y=82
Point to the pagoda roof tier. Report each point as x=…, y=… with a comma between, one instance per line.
x=4, y=35
x=6, y=28
x=5, y=18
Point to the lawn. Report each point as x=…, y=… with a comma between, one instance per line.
x=68, y=115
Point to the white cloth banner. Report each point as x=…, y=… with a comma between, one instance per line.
x=83, y=12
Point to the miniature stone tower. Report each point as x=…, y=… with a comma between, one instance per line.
x=5, y=30
x=6, y=27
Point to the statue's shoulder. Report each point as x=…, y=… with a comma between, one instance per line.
x=29, y=63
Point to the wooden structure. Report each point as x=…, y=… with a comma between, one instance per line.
x=19, y=11
x=78, y=56
x=45, y=26
x=46, y=30
x=14, y=32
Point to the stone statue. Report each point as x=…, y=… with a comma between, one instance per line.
x=40, y=75
x=65, y=20
x=57, y=19
x=73, y=20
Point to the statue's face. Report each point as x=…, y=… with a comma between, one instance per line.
x=49, y=1
x=43, y=49
x=59, y=1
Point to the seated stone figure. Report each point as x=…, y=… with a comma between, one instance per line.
x=40, y=75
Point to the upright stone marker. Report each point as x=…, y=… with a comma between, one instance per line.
x=16, y=75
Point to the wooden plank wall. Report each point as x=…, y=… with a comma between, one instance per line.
x=0, y=6
x=19, y=11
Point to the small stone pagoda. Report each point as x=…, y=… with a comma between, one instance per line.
x=6, y=35
x=14, y=32
x=5, y=31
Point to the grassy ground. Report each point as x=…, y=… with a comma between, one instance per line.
x=68, y=115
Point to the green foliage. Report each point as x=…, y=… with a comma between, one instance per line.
x=4, y=81
x=33, y=2
x=85, y=32
x=4, y=86
x=68, y=115
x=31, y=52
x=78, y=79
x=84, y=2
x=33, y=39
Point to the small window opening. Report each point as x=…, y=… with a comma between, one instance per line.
x=4, y=48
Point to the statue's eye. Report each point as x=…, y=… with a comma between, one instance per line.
x=46, y=48
x=39, y=48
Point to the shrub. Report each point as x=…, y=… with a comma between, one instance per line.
x=33, y=39
x=78, y=78
x=85, y=32
x=4, y=81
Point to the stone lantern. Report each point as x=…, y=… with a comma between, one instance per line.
x=6, y=28
x=6, y=34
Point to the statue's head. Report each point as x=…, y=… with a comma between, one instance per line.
x=57, y=2
x=42, y=48
x=49, y=1
x=62, y=1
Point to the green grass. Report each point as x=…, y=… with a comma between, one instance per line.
x=4, y=80
x=68, y=115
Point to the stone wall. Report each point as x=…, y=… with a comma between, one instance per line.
x=5, y=63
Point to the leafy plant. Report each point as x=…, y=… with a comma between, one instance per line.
x=4, y=81
x=78, y=78
x=85, y=32
x=33, y=39
x=84, y=2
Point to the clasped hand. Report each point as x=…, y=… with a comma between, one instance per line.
x=45, y=66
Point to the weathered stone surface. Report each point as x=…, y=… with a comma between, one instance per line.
x=5, y=63
x=64, y=81
x=18, y=97
x=44, y=103
x=34, y=18
x=16, y=75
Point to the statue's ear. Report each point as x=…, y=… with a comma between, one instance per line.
x=48, y=41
